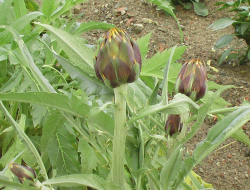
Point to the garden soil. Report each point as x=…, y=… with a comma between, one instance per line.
x=229, y=166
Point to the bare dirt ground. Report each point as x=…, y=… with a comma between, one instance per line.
x=228, y=167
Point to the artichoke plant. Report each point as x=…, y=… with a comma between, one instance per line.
x=173, y=124
x=118, y=60
x=192, y=79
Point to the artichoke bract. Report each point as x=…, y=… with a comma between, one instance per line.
x=23, y=172
x=173, y=124
x=118, y=60
x=192, y=79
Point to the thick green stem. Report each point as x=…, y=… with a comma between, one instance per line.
x=120, y=134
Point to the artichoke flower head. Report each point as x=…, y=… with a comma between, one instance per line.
x=192, y=79
x=173, y=124
x=23, y=172
x=118, y=60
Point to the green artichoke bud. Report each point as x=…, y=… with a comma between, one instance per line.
x=173, y=124
x=118, y=60
x=23, y=172
x=192, y=79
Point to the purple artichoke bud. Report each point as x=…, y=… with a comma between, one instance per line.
x=23, y=172
x=173, y=124
x=192, y=79
x=118, y=60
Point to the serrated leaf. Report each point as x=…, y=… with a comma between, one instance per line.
x=137, y=95
x=104, y=122
x=179, y=104
x=221, y=23
x=25, y=139
x=213, y=86
x=4, y=181
x=165, y=77
x=153, y=97
x=5, y=10
x=154, y=66
x=89, y=84
x=4, y=51
x=187, y=166
x=19, y=8
x=143, y=44
x=195, y=182
x=66, y=5
x=85, y=27
x=171, y=169
x=4, y=124
x=224, y=41
x=172, y=76
x=8, y=154
x=88, y=156
x=18, y=25
x=61, y=102
x=220, y=132
x=12, y=82
x=38, y=113
x=241, y=136
x=200, y=9
x=62, y=155
x=77, y=51
x=90, y=180
x=48, y=7
x=54, y=121
x=218, y=103
x=32, y=5
x=29, y=62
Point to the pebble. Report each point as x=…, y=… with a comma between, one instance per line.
x=130, y=15
x=201, y=170
x=109, y=16
x=122, y=10
x=116, y=6
x=105, y=5
x=146, y=20
x=139, y=25
x=138, y=28
x=162, y=29
x=77, y=9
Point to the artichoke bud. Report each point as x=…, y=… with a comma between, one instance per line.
x=118, y=60
x=173, y=124
x=23, y=172
x=192, y=79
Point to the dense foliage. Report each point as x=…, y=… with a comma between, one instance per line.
x=198, y=5
x=241, y=23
